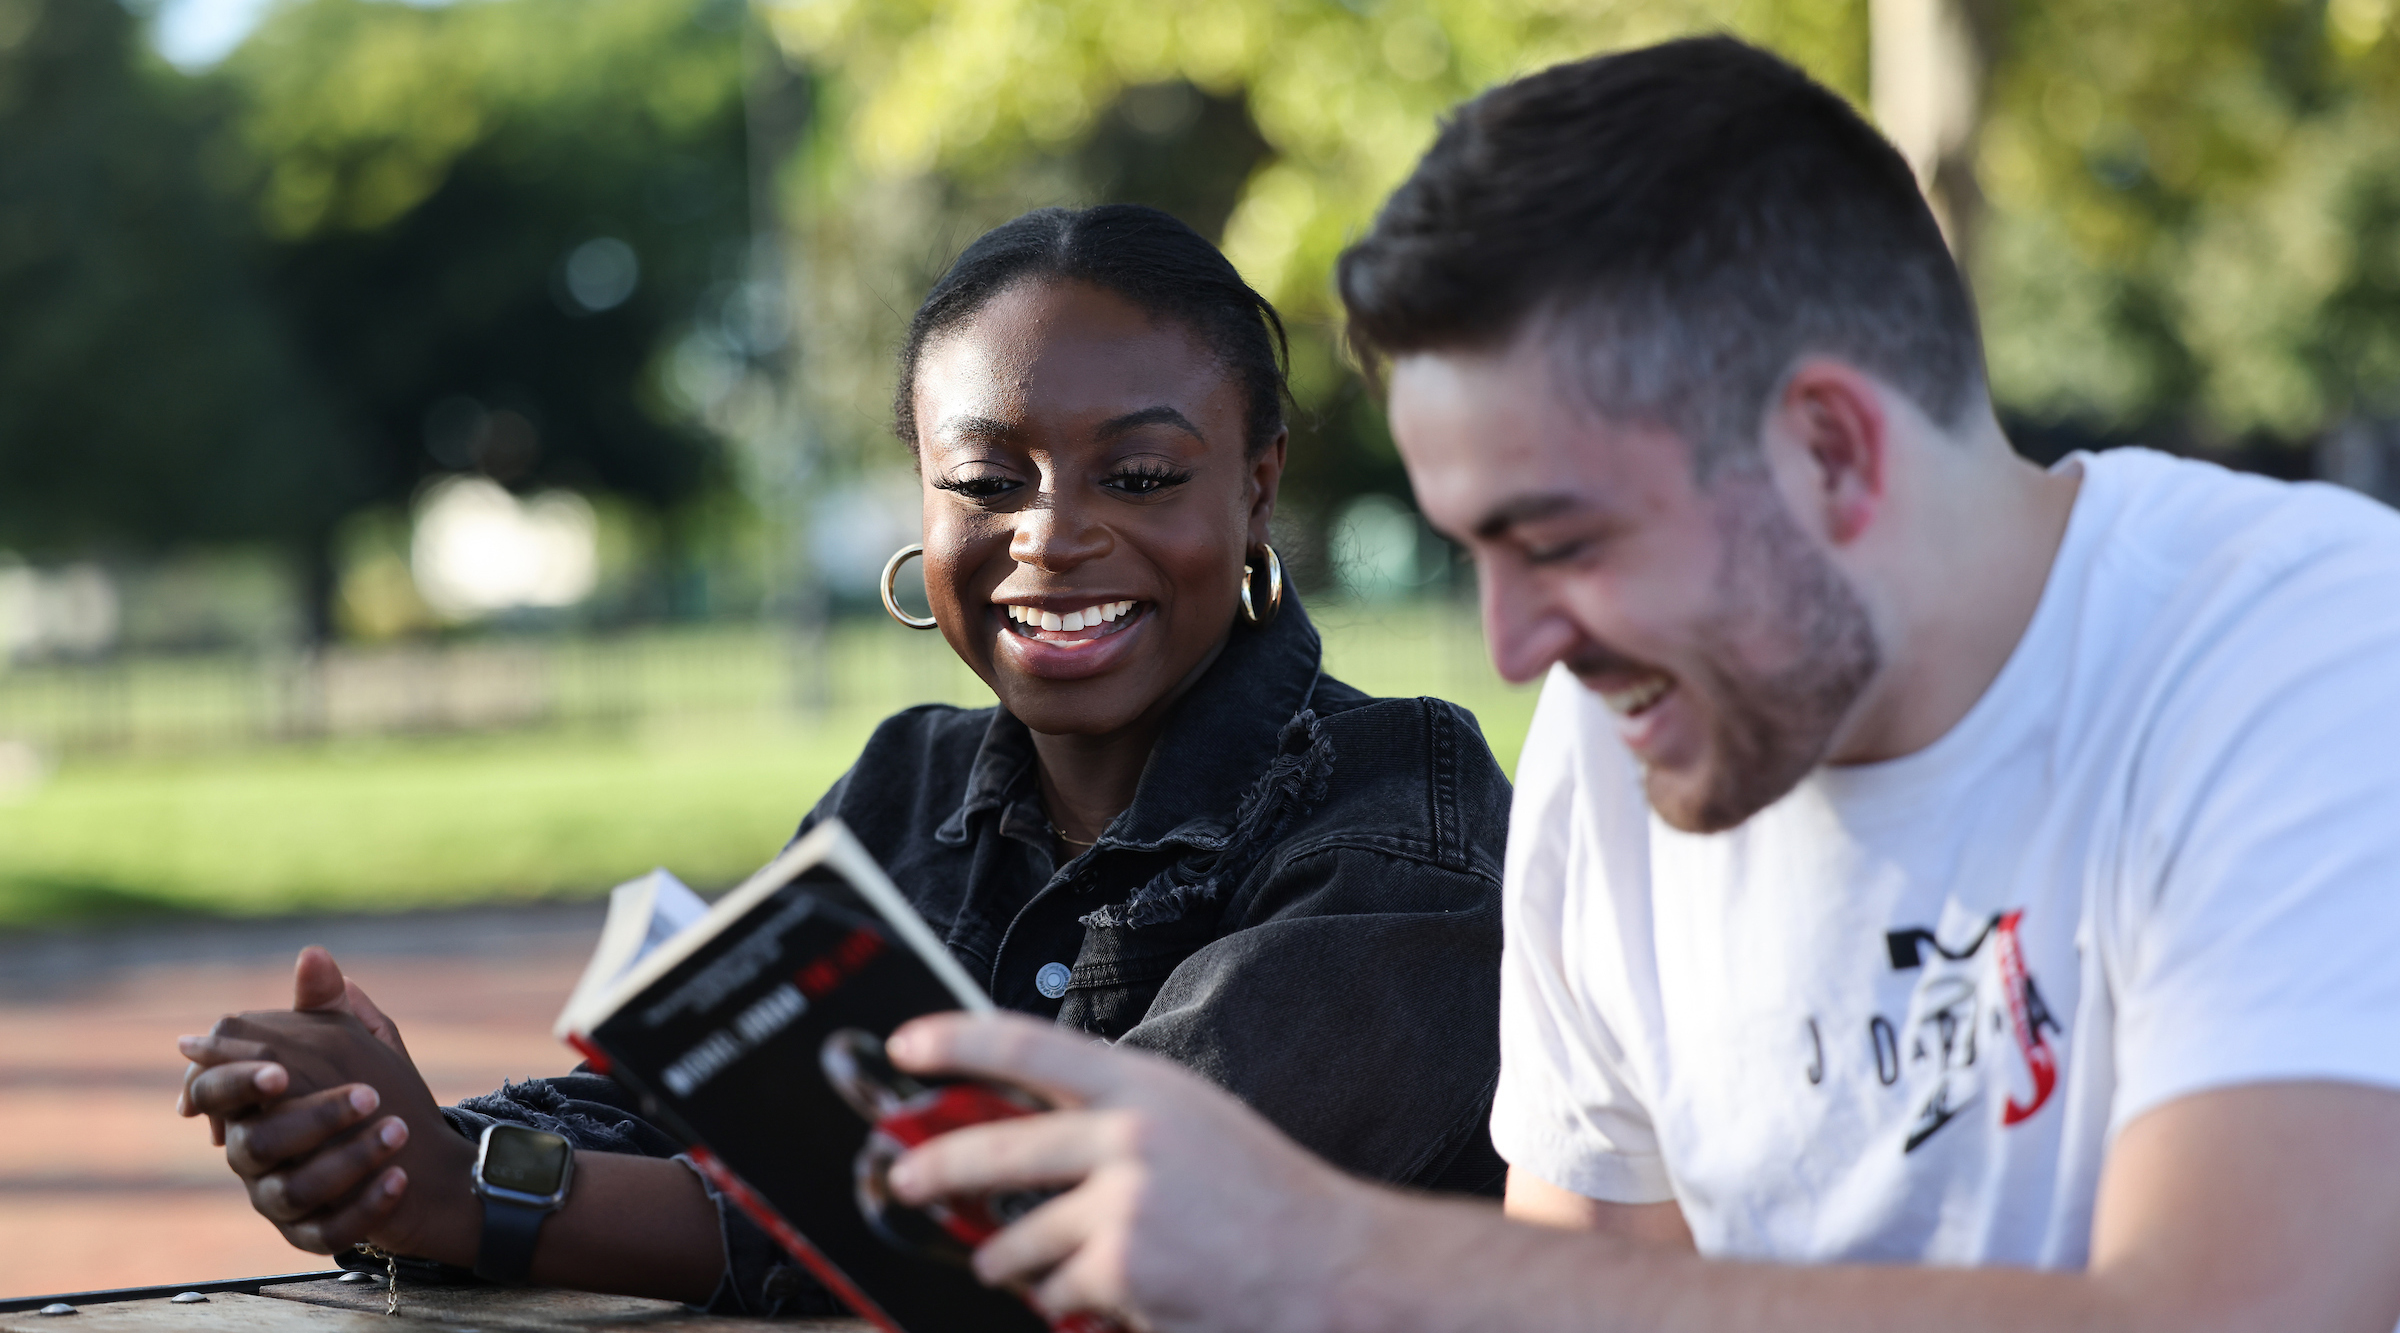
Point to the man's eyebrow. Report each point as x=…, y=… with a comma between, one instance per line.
x=1161, y=415
x=1524, y=509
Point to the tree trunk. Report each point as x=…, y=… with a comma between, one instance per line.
x=1928, y=61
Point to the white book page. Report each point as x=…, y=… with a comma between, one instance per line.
x=673, y=909
x=643, y=915
x=829, y=843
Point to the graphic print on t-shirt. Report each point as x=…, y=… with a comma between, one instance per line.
x=1976, y=1017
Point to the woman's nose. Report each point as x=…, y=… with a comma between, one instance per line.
x=1055, y=536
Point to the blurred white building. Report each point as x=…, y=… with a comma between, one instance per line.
x=71, y=611
x=475, y=549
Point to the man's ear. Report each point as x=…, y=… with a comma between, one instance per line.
x=1266, y=476
x=1832, y=416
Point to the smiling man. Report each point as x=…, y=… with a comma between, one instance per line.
x=1941, y=893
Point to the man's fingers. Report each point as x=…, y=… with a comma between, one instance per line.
x=1041, y=1240
x=1040, y=1057
x=233, y=1089
x=317, y=981
x=1076, y=1260
x=345, y=1225
x=1057, y=1148
x=1092, y=1278
x=291, y=1130
x=314, y=1183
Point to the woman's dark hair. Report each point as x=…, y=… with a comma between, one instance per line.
x=1139, y=253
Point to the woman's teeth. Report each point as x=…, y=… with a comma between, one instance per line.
x=1087, y=618
x=1631, y=700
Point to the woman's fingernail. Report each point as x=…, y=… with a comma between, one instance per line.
x=364, y=1099
x=394, y=1132
x=394, y=1181
x=270, y=1078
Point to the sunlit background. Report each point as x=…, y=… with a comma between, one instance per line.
x=444, y=450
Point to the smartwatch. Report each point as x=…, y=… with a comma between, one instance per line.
x=522, y=1176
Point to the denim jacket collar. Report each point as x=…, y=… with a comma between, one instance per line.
x=1216, y=743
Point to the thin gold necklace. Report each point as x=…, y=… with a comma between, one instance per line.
x=1060, y=834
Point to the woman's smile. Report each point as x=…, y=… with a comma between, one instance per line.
x=1077, y=626
x=1038, y=641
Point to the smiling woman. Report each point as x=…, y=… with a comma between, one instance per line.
x=1174, y=832
x=1080, y=454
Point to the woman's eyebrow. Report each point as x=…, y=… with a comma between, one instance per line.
x=1161, y=415
x=980, y=430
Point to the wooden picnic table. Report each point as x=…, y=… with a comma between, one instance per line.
x=330, y=1306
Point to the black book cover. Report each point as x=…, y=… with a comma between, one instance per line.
x=757, y=1035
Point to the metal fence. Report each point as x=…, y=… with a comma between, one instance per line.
x=172, y=704
x=187, y=703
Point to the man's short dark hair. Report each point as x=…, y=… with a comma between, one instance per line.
x=1693, y=217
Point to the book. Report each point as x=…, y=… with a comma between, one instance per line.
x=753, y=1031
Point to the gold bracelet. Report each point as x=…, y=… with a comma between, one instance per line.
x=391, y=1274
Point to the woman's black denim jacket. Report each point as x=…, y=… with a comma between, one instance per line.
x=1302, y=904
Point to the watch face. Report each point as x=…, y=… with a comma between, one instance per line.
x=527, y=1161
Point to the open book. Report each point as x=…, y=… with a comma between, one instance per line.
x=753, y=1030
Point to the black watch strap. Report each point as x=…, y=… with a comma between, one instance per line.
x=509, y=1231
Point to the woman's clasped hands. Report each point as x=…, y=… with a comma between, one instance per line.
x=327, y=1121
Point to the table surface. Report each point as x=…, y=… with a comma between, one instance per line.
x=336, y=1307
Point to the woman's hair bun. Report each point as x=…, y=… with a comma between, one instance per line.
x=1148, y=257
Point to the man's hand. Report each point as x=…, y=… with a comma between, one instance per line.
x=2266, y=1207
x=1174, y=1183
x=292, y=1096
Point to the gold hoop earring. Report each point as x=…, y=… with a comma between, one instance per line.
x=1274, y=589
x=891, y=569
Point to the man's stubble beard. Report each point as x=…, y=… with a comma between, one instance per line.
x=1782, y=658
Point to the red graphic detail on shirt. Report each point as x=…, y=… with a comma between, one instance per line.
x=2040, y=1060
x=1942, y=1047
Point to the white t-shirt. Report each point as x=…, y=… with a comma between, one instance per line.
x=1899, y=1014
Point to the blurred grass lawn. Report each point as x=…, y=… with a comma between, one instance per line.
x=393, y=824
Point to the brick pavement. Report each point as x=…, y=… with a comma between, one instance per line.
x=102, y=1185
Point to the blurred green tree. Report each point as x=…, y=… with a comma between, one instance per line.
x=493, y=223
x=1275, y=126
x=2187, y=231
x=381, y=242
x=150, y=391
x=2194, y=224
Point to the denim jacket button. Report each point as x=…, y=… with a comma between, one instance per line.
x=1051, y=981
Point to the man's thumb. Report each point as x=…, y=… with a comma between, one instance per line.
x=317, y=982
